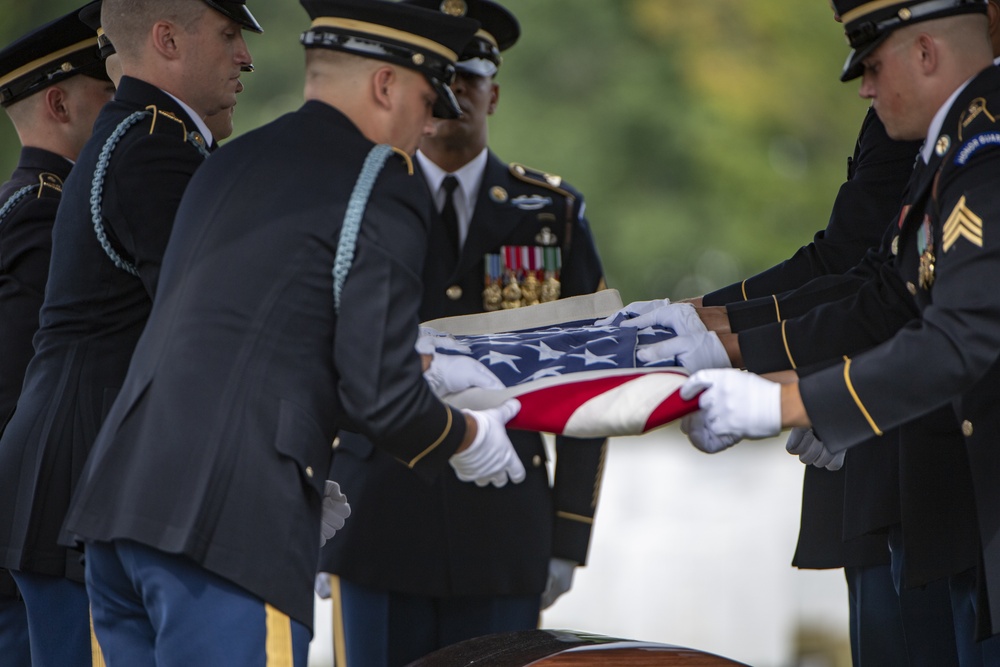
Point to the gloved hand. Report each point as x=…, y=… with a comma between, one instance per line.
x=491, y=458
x=634, y=309
x=694, y=351
x=430, y=340
x=699, y=435
x=560, y=580
x=451, y=373
x=335, y=511
x=322, y=585
x=811, y=450
x=734, y=404
x=681, y=317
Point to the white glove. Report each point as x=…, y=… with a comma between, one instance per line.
x=322, y=585
x=491, y=458
x=560, y=580
x=634, y=309
x=698, y=433
x=735, y=405
x=811, y=450
x=681, y=317
x=451, y=373
x=335, y=511
x=694, y=351
x=430, y=340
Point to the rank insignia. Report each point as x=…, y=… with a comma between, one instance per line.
x=942, y=145
x=498, y=194
x=531, y=202
x=962, y=223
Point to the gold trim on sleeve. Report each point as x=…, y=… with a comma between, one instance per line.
x=854, y=395
x=777, y=310
x=743, y=288
x=784, y=339
x=444, y=434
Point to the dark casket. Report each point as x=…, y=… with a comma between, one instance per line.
x=564, y=648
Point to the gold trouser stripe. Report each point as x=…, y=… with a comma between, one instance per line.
x=96, y=655
x=444, y=434
x=854, y=395
x=784, y=339
x=743, y=288
x=278, y=645
x=575, y=517
x=339, y=636
x=777, y=310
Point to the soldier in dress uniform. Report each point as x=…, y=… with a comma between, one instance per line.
x=286, y=311
x=927, y=67
x=53, y=110
x=107, y=240
x=419, y=567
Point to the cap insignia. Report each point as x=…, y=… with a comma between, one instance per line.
x=454, y=7
x=905, y=14
x=417, y=58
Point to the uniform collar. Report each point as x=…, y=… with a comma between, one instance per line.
x=938, y=121
x=198, y=120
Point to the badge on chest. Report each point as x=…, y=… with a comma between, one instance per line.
x=521, y=276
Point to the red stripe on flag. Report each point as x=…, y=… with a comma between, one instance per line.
x=674, y=407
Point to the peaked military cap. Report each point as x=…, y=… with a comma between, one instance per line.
x=91, y=15
x=47, y=55
x=867, y=23
x=498, y=31
x=237, y=11
x=402, y=34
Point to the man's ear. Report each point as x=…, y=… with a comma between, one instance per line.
x=494, y=98
x=56, y=103
x=928, y=50
x=164, y=37
x=382, y=82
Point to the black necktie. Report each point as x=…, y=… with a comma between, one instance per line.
x=448, y=215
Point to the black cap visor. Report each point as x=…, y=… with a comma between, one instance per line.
x=854, y=67
x=238, y=12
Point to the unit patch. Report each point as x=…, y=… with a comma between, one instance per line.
x=962, y=223
x=970, y=147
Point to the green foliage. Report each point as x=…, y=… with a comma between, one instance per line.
x=709, y=137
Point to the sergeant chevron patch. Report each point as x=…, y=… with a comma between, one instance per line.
x=962, y=222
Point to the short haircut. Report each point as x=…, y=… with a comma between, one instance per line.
x=126, y=22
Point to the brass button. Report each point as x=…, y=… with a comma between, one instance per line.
x=454, y=292
x=536, y=460
x=967, y=428
x=309, y=471
x=911, y=288
x=336, y=442
x=895, y=245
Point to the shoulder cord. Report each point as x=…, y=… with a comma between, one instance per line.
x=352, y=218
x=14, y=199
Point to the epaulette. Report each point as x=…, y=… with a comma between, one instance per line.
x=541, y=178
x=193, y=136
x=47, y=179
x=406, y=158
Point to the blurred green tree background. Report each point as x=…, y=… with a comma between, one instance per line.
x=708, y=136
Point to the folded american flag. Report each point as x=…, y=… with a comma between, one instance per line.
x=571, y=377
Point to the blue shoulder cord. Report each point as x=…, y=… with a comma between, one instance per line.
x=14, y=199
x=97, y=187
x=352, y=218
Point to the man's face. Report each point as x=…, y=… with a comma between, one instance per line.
x=477, y=96
x=221, y=123
x=890, y=80
x=215, y=52
x=413, y=112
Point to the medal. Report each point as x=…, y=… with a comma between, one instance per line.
x=492, y=280
x=552, y=262
x=925, y=245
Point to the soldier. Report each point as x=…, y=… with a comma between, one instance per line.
x=52, y=110
x=419, y=567
x=108, y=238
x=286, y=311
x=927, y=68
